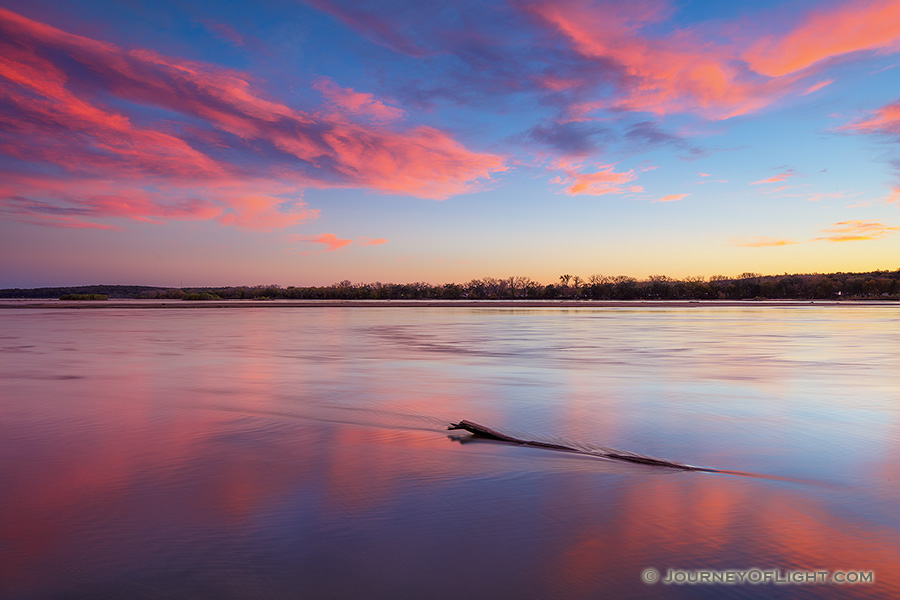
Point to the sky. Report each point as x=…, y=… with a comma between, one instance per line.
x=306, y=142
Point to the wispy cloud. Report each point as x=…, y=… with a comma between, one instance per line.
x=329, y=240
x=884, y=121
x=661, y=75
x=569, y=138
x=844, y=231
x=353, y=104
x=854, y=231
x=599, y=183
x=74, y=107
x=763, y=242
x=827, y=33
x=224, y=32
x=671, y=198
x=776, y=178
x=365, y=241
x=816, y=87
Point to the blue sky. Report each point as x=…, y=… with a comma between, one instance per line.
x=304, y=143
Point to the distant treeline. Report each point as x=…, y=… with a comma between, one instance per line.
x=749, y=286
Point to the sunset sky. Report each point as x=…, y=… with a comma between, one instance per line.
x=304, y=142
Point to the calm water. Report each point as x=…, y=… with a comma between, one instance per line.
x=302, y=452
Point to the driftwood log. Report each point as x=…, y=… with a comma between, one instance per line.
x=492, y=434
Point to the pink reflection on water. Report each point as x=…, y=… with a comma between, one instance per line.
x=202, y=442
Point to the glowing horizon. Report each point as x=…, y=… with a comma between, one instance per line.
x=328, y=140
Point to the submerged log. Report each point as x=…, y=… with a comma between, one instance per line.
x=492, y=434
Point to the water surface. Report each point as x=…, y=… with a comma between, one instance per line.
x=302, y=452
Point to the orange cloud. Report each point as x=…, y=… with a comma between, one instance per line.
x=854, y=231
x=761, y=242
x=828, y=33
x=776, y=178
x=671, y=198
x=365, y=241
x=602, y=182
x=894, y=198
x=844, y=231
x=331, y=241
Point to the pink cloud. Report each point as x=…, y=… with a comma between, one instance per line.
x=688, y=71
x=599, y=183
x=254, y=210
x=678, y=73
x=885, y=121
x=82, y=202
x=816, y=87
x=671, y=198
x=828, y=33
x=331, y=241
x=701, y=174
x=557, y=84
x=356, y=104
x=224, y=32
x=57, y=116
x=365, y=241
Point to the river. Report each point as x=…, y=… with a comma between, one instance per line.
x=284, y=452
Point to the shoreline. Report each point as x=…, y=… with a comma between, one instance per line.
x=595, y=304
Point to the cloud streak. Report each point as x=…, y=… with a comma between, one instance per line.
x=366, y=241
x=672, y=198
x=884, y=121
x=855, y=231
x=776, y=178
x=844, y=231
x=599, y=183
x=827, y=34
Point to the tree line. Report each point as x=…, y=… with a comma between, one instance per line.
x=748, y=286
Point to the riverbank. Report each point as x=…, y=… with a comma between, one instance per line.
x=176, y=304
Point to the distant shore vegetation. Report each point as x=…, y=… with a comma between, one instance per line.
x=84, y=297
x=881, y=285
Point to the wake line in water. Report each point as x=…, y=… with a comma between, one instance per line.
x=492, y=434
x=609, y=453
x=417, y=421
